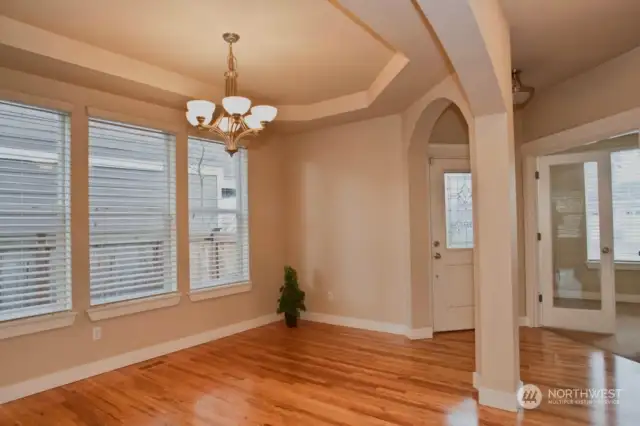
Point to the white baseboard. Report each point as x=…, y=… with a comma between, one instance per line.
x=384, y=327
x=498, y=399
x=475, y=380
x=594, y=295
x=524, y=322
x=60, y=378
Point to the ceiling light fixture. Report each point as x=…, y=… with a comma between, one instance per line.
x=521, y=94
x=237, y=118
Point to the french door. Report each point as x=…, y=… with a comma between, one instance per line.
x=577, y=279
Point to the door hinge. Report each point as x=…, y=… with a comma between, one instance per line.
x=539, y=236
x=540, y=297
x=537, y=175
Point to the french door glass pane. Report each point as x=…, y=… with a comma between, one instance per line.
x=575, y=235
x=625, y=187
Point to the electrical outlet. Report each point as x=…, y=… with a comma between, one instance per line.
x=330, y=295
x=97, y=333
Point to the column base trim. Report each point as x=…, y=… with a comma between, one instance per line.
x=498, y=399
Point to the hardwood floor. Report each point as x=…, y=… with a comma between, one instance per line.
x=327, y=375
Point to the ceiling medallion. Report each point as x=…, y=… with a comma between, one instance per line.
x=521, y=94
x=237, y=119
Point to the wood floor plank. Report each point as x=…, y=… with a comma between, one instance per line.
x=328, y=375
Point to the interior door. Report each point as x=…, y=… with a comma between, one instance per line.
x=452, y=244
x=576, y=221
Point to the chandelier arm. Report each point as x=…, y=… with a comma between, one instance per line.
x=249, y=132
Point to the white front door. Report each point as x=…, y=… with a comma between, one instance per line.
x=576, y=227
x=451, y=244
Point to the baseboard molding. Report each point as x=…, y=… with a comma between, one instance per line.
x=498, y=399
x=593, y=295
x=383, y=327
x=60, y=378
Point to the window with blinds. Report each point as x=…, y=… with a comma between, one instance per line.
x=35, y=267
x=131, y=212
x=218, y=215
x=625, y=185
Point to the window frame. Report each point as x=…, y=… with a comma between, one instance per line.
x=169, y=296
x=39, y=318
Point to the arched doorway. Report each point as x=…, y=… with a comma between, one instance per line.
x=439, y=148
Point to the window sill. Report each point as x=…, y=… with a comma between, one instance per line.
x=22, y=326
x=219, y=291
x=129, y=307
x=619, y=266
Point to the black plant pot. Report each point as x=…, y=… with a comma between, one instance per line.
x=291, y=320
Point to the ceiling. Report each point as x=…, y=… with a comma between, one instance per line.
x=553, y=40
x=321, y=62
x=290, y=51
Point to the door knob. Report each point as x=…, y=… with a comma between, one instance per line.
x=605, y=250
x=437, y=256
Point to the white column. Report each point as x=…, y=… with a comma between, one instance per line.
x=497, y=345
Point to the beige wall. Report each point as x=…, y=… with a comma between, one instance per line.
x=608, y=89
x=346, y=214
x=451, y=128
x=34, y=355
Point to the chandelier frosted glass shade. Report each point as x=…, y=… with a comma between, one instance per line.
x=253, y=122
x=200, y=109
x=236, y=105
x=223, y=124
x=264, y=113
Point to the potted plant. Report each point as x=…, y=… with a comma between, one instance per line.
x=291, y=300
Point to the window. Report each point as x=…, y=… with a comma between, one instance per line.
x=218, y=215
x=458, y=210
x=131, y=212
x=625, y=185
x=35, y=265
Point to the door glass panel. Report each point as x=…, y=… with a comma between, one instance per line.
x=625, y=182
x=575, y=235
x=458, y=210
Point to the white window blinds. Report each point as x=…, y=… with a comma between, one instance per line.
x=132, y=212
x=218, y=215
x=625, y=185
x=35, y=267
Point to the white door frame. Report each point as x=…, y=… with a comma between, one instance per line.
x=443, y=152
x=624, y=122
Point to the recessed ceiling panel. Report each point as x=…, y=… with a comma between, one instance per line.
x=290, y=51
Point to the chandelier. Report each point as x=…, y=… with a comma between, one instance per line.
x=521, y=94
x=237, y=119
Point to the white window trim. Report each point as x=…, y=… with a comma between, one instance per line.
x=619, y=265
x=219, y=291
x=22, y=326
x=133, y=306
